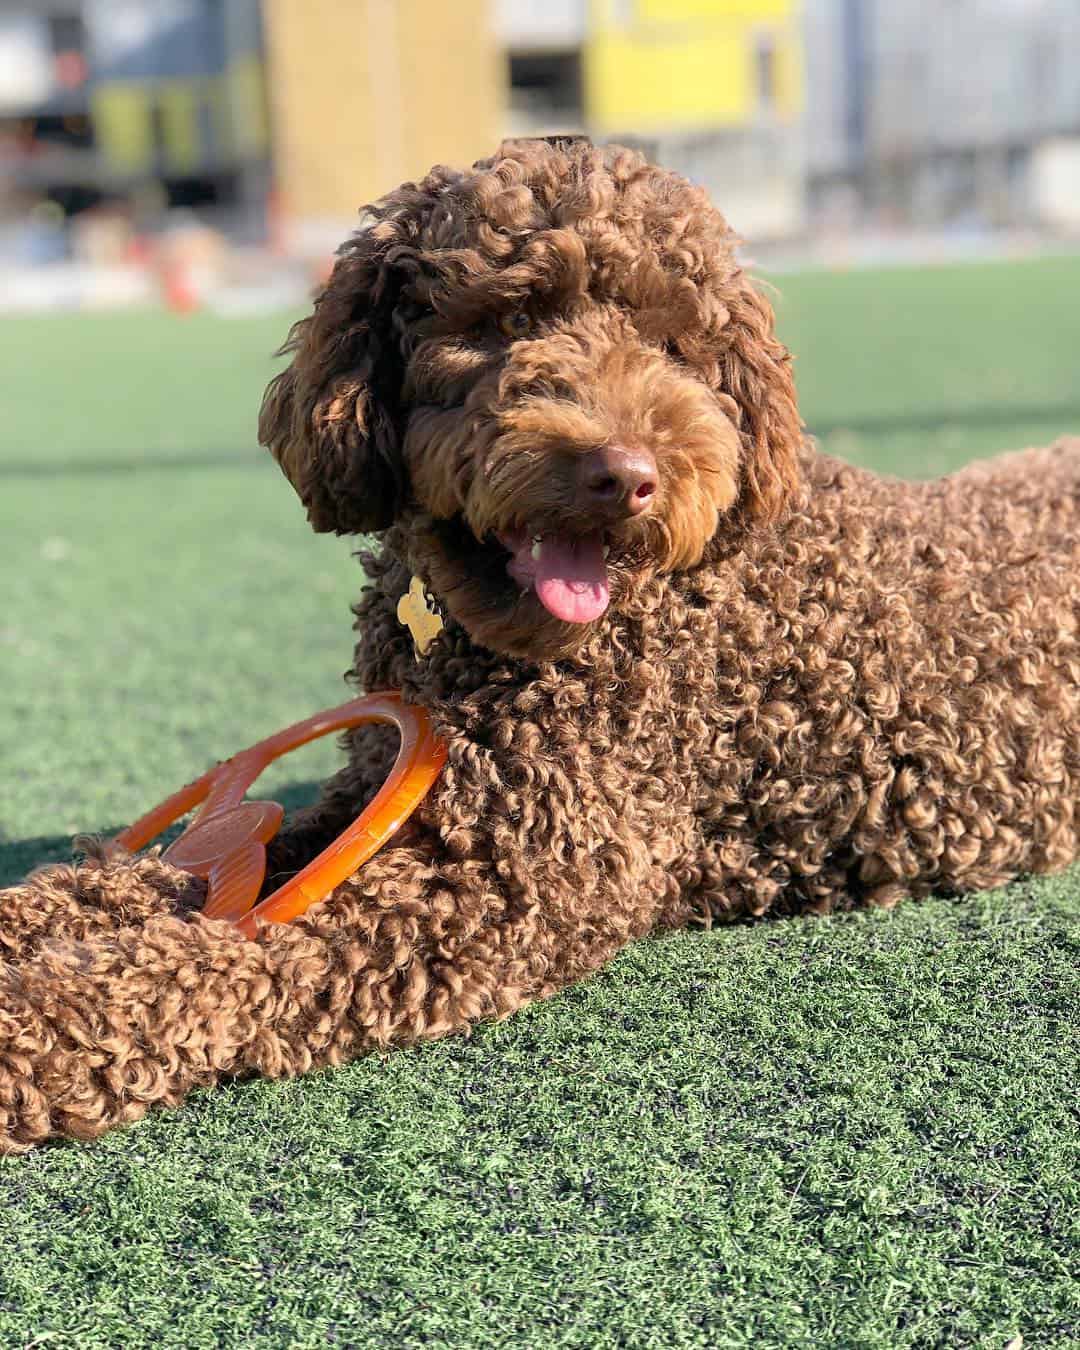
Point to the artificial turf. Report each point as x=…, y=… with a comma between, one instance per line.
x=854, y=1131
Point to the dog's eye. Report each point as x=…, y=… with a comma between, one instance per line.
x=517, y=325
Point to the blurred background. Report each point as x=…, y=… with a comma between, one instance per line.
x=216, y=151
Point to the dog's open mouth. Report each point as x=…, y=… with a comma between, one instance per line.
x=522, y=575
x=567, y=572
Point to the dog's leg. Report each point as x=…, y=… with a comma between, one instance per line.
x=424, y=942
x=72, y=901
x=108, y=890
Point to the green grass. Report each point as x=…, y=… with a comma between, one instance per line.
x=858, y=1131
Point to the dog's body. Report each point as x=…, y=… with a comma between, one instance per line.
x=691, y=669
x=882, y=699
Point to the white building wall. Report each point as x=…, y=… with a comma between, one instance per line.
x=541, y=25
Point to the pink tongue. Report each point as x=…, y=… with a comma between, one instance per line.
x=571, y=577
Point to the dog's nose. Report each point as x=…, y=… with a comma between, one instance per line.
x=617, y=482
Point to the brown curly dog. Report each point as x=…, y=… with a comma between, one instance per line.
x=691, y=669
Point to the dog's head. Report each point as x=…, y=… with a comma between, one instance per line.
x=553, y=372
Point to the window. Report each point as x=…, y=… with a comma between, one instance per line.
x=546, y=88
x=67, y=33
x=765, y=68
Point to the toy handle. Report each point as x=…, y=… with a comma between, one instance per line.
x=226, y=843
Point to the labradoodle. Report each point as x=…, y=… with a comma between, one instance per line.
x=691, y=670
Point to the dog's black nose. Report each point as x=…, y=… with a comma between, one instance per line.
x=617, y=482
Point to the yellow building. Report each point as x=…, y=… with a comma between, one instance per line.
x=661, y=67
x=710, y=88
x=367, y=93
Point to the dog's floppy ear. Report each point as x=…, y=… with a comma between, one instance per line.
x=331, y=418
x=756, y=373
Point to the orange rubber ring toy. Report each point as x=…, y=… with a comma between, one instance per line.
x=226, y=842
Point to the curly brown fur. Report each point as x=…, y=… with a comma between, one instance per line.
x=809, y=687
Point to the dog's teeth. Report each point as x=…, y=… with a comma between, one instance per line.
x=607, y=549
x=535, y=550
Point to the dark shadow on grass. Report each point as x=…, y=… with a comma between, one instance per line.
x=19, y=856
x=930, y=419
x=62, y=468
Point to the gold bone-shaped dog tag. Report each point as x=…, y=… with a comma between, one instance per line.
x=417, y=611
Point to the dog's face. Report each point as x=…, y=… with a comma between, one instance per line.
x=552, y=372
